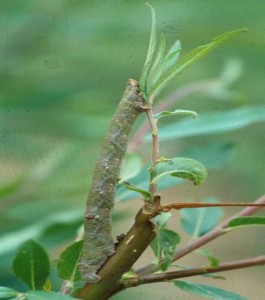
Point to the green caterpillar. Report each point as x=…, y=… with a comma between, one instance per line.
x=98, y=242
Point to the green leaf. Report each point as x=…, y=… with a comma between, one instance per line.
x=31, y=264
x=7, y=293
x=213, y=261
x=168, y=61
x=67, y=265
x=144, y=193
x=131, y=167
x=213, y=123
x=174, y=113
x=158, y=61
x=52, y=227
x=150, y=52
x=207, y=291
x=246, y=222
x=211, y=156
x=162, y=219
x=166, y=241
x=198, y=221
x=172, y=59
x=40, y=295
x=181, y=167
x=189, y=59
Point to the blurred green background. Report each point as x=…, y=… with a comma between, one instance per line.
x=64, y=66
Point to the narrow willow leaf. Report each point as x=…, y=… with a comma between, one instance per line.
x=197, y=222
x=189, y=59
x=181, y=167
x=150, y=52
x=212, y=157
x=7, y=293
x=98, y=241
x=67, y=265
x=157, y=62
x=40, y=295
x=166, y=241
x=213, y=123
x=170, y=59
x=144, y=193
x=213, y=260
x=246, y=222
x=207, y=291
x=175, y=48
x=174, y=113
x=31, y=264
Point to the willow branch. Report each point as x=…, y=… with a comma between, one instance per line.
x=227, y=266
x=206, y=238
x=127, y=253
x=101, y=264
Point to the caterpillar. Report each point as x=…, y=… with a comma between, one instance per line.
x=98, y=242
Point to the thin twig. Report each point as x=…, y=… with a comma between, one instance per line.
x=177, y=95
x=185, y=205
x=240, y=264
x=155, y=146
x=206, y=238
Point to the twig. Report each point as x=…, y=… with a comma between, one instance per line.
x=206, y=238
x=185, y=205
x=177, y=95
x=155, y=146
x=240, y=264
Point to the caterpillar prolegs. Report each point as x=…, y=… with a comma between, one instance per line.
x=98, y=242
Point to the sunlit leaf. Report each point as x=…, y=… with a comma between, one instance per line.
x=67, y=265
x=207, y=291
x=181, y=167
x=198, y=221
x=31, y=264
